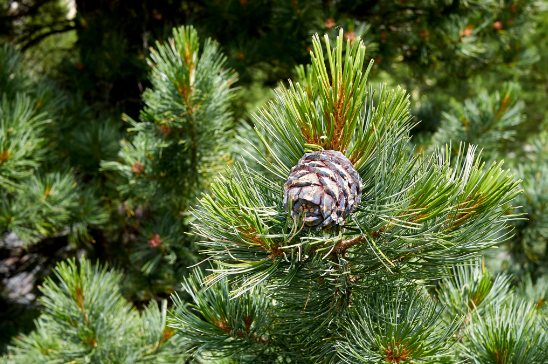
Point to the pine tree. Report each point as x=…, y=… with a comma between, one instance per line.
x=85, y=319
x=498, y=325
x=38, y=198
x=492, y=122
x=181, y=142
x=357, y=291
x=304, y=268
x=528, y=248
x=443, y=43
x=489, y=121
x=128, y=202
x=120, y=200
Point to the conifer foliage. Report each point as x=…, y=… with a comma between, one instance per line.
x=397, y=279
x=177, y=146
x=86, y=320
x=37, y=198
x=488, y=121
x=492, y=121
x=356, y=292
x=182, y=140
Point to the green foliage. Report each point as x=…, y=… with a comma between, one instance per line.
x=360, y=292
x=488, y=120
x=183, y=138
x=28, y=26
x=507, y=333
x=531, y=240
x=459, y=220
x=160, y=244
x=449, y=40
x=294, y=122
x=98, y=141
x=433, y=43
x=529, y=246
x=213, y=319
x=420, y=216
x=12, y=77
x=470, y=288
x=86, y=320
x=37, y=199
x=22, y=144
x=398, y=325
x=500, y=325
x=494, y=122
x=534, y=292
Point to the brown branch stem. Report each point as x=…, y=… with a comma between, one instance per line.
x=343, y=245
x=43, y=36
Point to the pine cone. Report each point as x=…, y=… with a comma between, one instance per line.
x=325, y=187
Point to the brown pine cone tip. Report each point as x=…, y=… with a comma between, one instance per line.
x=324, y=188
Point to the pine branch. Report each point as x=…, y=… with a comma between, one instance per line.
x=85, y=316
x=40, y=37
x=488, y=121
x=342, y=246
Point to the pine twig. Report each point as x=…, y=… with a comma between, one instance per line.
x=343, y=245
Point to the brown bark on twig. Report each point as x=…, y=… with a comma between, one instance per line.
x=343, y=245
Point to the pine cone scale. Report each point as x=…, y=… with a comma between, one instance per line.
x=307, y=180
x=330, y=187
